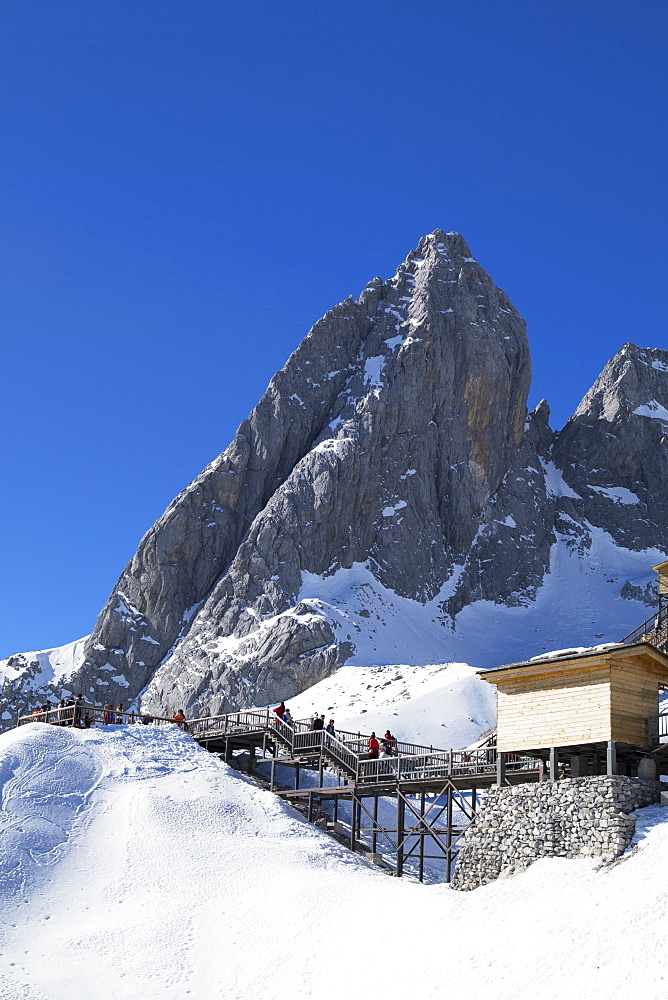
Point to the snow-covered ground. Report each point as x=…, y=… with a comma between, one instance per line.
x=135, y=864
x=31, y=671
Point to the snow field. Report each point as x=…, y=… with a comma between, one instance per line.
x=579, y=602
x=167, y=874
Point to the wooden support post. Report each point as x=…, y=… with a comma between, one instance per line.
x=296, y=777
x=320, y=770
x=228, y=751
x=422, y=833
x=336, y=809
x=251, y=758
x=500, y=767
x=353, y=810
x=448, y=836
x=375, y=824
x=309, y=814
x=273, y=773
x=611, y=757
x=401, y=817
x=554, y=764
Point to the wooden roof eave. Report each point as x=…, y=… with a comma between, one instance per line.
x=579, y=662
x=511, y=672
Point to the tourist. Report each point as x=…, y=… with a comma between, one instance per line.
x=78, y=704
x=70, y=704
x=180, y=719
x=389, y=744
x=374, y=747
x=318, y=723
x=287, y=718
x=278, y=711
x=330, y=727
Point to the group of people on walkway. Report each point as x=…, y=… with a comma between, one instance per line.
x=388, y=743
x=68, y=712
x=75, y=712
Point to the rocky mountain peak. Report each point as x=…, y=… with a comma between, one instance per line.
x=631, y=380
x=390, y=473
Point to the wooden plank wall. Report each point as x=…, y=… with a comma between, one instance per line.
x=634, y=697
x=560, y=708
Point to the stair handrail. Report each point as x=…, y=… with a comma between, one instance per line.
x=349, y=750
x=654, y=625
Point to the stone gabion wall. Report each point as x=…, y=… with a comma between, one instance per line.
x=571, y=818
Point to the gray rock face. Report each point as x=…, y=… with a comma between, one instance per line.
x=618, y=438
x=396, y=439
x=402, y=410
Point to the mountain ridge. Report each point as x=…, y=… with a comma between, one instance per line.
x=395, y=439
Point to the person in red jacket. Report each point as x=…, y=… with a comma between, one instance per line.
x=279, y=710
x=374, y=747
x=180, y=719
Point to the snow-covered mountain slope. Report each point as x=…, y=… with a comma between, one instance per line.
x=27, y=678
x=443, y=705
x=135, y=864
x=389, y=500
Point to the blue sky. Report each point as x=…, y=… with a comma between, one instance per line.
x=187, y=187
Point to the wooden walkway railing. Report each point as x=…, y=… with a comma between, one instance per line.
x=84, y=716
x=348, y=751
x=657, y=729
x=654, y=630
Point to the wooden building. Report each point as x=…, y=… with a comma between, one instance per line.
x=576, y=699
x=577, y=708
x=662, y=570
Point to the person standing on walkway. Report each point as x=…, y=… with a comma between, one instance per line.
x=330, y=727
x=319, y=722
x=287, y=718
x=374, y=747
x=180, y=719
x=279, y=711
x=78, y=705
x=390, y=744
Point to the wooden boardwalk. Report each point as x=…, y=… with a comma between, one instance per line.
x=346, y=753
x=433, y=793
